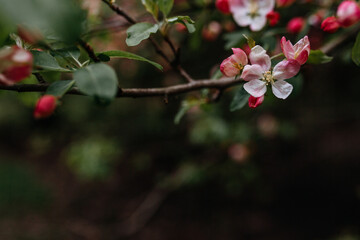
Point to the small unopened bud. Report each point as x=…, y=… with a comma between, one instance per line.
x=348, y=13
x=330, y=25
x=223, y=6
x=211, y=31
x=255, y=101
x=295, y=25
x=45, y=106
x=273, y=18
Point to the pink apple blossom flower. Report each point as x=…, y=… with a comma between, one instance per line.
x=255, y=101
x=233, y=65
x=260, y=74
x=251, y=12
x=300, y=52
x=15, y=65
x=348, y=13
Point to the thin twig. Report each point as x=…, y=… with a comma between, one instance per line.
x=89, y=50
x=119, y=11
x=40, y=78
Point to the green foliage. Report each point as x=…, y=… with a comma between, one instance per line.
x=139, y=32
x=356, y=51
x=250, y=41
x=318, y=57
x=185, y=20
x=240, y=99
x=59, y=19
x=45, y=62
x=186, y=105
x=59, y=88
x=97, y=80
x=165, y=6
x=152, y=7
x=128, y=55
x=235, y=39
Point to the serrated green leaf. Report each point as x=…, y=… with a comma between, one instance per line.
x=240, y=99
x=139, y=32
x=59, y=88
x=165, y=6
x=45, y=62
x=318, y=57
x=355, y=54
x=250, y=41
x=128, y=55
x=152, y=7
x=97, y=80
x=185, y=20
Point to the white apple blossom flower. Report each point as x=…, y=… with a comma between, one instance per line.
x=251, y=12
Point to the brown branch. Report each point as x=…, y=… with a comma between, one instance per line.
x=89, y=50
x=140, y=92
x=119, y=11
x=40, y=78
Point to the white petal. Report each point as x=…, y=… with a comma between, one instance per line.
x=255, y=88
x=286, y=69
x=252, y=72
x=258, y=23
x=266, y=6
x=258, y=56
x=281, y=89
x=241, y=16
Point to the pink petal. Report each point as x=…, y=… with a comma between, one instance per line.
x=240, y=56
x=255, y=88
x=228, y=69
x=286, y=69
x=255, y=101
x=258, y=56
x=281, y=89
x=287, y=48
x=252, y=72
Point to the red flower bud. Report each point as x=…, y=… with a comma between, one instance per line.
x=15, y=65
x=45, y=106
x=348, y=13
x=284, y=3
x=295, y=25
x=255, y=101
x=330, y=25
x=223, y=6
x=273, y=18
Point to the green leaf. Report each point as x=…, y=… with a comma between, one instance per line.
x=128, y=55
x=63, y=19
x=59, y=88
x=240, y=99
x=165, y=6
x=152, y=7
x=97, y=80
x=318, y=57
x=250, y=41
x=356, y=51
x=186, y=105
x=140, y=31
x=185, y=20
x=45, y=62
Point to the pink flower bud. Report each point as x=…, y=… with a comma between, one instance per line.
x=255, y=101
x=223, y=6
x=211, y=31
x=273, y=18
x=330, y=25
x=348, y=13
x=284, y=3
x=295, y=25
x=45, y=106
x=15, y=65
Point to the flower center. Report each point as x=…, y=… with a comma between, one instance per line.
x=238, y=66
x=268, y=78
x=253, y=9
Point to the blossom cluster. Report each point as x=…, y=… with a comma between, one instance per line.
x=256, y=69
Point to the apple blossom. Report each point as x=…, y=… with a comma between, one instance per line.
x=251, y=12
x=260, y=74
x=223, y=6
x=298, y=52
x=273, y=18
x=233, y=65
x=15, y=65
x=255, y=101
x=330, y=25
x=45, y=106
x=295, y=25
x=348, y=13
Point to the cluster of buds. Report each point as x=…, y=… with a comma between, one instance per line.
x=15, y=65
x=259, y=74
x=347, y=14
